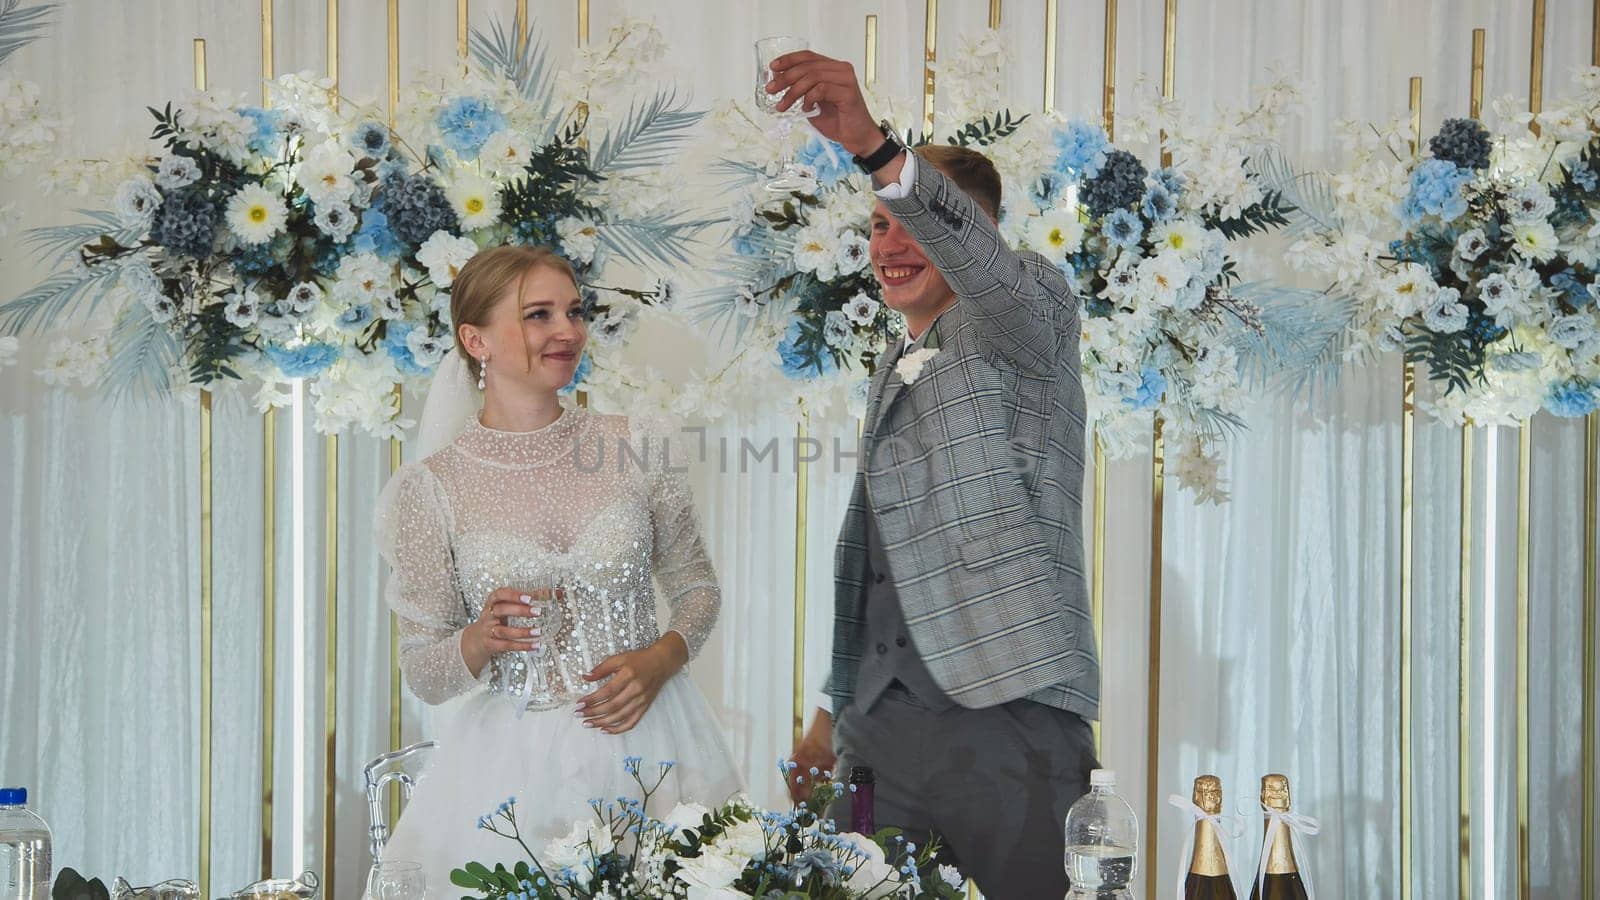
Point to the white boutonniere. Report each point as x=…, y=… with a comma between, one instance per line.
x=910, y=366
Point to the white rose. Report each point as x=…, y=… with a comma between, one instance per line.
x=712, y=870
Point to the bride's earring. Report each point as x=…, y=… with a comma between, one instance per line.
x=483, y=369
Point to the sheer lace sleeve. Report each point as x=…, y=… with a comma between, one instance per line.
x=413, y=534
x=683, y=570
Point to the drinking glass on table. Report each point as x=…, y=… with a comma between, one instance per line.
x=395, y=880
x=768, y=49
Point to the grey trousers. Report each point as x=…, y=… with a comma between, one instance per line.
x=992, y=784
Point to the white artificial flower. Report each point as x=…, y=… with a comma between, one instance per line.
x=1572, y=332
x=580, y=238
x=1162, y=276
x=476, y=200
x=613, y=327
x=714, y=869
x=389, y=306
x=1471, y=244
x=748, y=304
x=137, y=278
x=242, y=308
x=1182, y=236
x=74, y=363
x=324, y=174
x=746, y=840
x=1503, y=300
x=686, y=817
x=162, y=308
x=176, y=172
x=853, y=252
x=336, y=220
x=1122, y=282
x=861, y=310
x=836, y=329
x=444, y=255
x=816, y=251
x=304, y=297
x=1408, y=289
x=874, y=877
x=256, y=214
x=909, y=366
x=8, y=351
x=952, y=876
x=504, y=155
x=1535, y=240
x=666, y=293
x=1057, y=233
x=1530, y=204
x=364, y=276
x=137, y=202
x=1446, y=314
x=425, y=348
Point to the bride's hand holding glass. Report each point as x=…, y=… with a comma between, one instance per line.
x=636, y=678
x=493, y=634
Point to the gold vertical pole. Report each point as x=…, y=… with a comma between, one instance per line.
x=269, y=549
x=583, y=23
x=1407, y=482
x=1108, y=77
x=870, y=69
x=1464, y=653
x=395, y=456
x=930, y=40
x=802, y=498
x=1050, y=54
x=1591, y=588
x=330, y=540
x=1158, y=480
x=520, y=20
x=1524, y=556
x=205, y=584
x=994, y=14
x=1097, y=553
x=462, y=18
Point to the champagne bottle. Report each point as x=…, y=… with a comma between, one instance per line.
x=862, y=818
x=1282, y=880
x=1208, y=869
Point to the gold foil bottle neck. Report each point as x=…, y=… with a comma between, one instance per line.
x=1208, y=859
x=1208, y=794
x=1280, y=853
x=1275, y=792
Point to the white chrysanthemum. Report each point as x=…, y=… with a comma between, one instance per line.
x=137, y=202
x=1056, y=234
x=504, y=155
x=580, y=238
x=444, y=254
x=324, y=174
x=817, y=251
x=1182, y=236
x=242, y=308
x=256, y=214
x=476, y=200
x=861, y=310
x=336, y=220
x=1535, y=240
x=176, y=172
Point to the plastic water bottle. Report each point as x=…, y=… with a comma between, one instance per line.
x=1102, y=853
x=24, y=849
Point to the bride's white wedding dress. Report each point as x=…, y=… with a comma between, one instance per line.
x=585, y=501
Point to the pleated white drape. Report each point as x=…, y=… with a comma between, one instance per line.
x=1280, y=649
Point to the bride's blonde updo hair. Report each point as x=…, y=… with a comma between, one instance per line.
x=485, y=278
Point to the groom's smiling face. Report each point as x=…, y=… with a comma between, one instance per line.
x=912, y=285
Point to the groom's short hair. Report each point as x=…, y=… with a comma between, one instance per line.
x=970, y=170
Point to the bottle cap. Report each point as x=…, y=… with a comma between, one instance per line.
x=1103, y=778
x=13, y=796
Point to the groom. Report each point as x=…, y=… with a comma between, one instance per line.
x=964, y=665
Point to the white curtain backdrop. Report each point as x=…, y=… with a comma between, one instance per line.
x=1279, y=640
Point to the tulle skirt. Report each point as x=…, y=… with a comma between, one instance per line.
x=554, y=766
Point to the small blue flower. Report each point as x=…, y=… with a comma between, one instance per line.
x=1159, y=204
x=1573, y=399
x=1152, y=386
x=829, y=162
x=1081, y=149
x=1122, y=228
x=466, y=122
x=303, y=361
x=371, y=139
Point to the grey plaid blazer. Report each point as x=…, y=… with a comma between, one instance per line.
x=974, y=473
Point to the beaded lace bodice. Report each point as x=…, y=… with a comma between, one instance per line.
x=584, y=501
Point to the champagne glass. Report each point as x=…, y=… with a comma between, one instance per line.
x=768, y=49
x=537, y=686
x=395, y=880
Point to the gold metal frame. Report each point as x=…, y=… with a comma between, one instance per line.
x=1050, y=19
x=1591, y=503
x=994, y=14
x=1464, y=637
x=1097, y=547
x=1408, y=390
x=802, y=503
x=1524, y=556
x=462, y=17
x=330, y=541
x=396, y=454
x=206, y=598
x=583, y=23
x=869, y=68
x=269, y=538
x=930, y=40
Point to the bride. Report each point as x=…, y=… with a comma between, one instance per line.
x=530, y=503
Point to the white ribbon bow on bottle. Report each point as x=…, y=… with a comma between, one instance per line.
x=1295, y=824
x=1228, y=827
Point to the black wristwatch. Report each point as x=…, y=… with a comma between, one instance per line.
x=888, y=150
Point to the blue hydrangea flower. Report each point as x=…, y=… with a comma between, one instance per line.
x=186, y=223
x=303, y=361
x=375, y=236
x=466, y=122
x=1081, y=149
x=1436, y=191
x=1122, y=228
x=585, y=366
x=800, y=362
x=416, y=207
x=1119, y=184
x=1573, y=399
x=1152, y=386
x=265, y=137
x=1576, y=292
x=394, y=344
x=830, y=162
